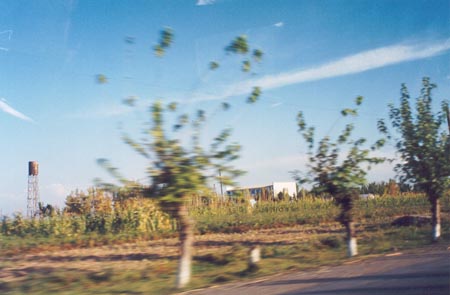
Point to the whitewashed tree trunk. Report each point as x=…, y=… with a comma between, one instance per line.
x=436, y=219
x=352, y=247
x=254, y=257
x=186, y=242
x=351, y=240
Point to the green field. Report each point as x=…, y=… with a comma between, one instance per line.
x=95, y=253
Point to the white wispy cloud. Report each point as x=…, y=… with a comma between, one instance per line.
x=205, y=2
x=5, y=36
x=9, y=110
x=279, y=24
x=352, y=64
x=102, y=111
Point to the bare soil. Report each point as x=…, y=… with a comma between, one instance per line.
x=142, y=255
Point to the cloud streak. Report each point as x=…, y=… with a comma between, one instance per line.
x=352, y=64
x=102, y=111
x=279, y=24
x=11, y=111
x=205, y=2
x=5, y=36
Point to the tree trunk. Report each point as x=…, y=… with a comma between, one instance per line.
x=436, y=218
x=254, y=258
x=351, y=239
x=186, y=241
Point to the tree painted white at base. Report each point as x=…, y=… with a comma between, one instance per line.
x=437, y=231
x=352, y=247
x=255, y=255
x=184, y=272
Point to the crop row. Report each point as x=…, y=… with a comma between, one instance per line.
x=141, y=218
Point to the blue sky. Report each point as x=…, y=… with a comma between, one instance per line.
x=319, y=55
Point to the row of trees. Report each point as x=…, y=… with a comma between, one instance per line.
x=423, y=146
x=390, y=188
x=337, y=166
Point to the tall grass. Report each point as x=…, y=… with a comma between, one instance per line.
x=140, y=218
x=218, y=215
x=128, y=220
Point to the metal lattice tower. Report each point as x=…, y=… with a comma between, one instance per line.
x=33, y=189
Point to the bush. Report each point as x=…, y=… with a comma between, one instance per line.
x=332, y=242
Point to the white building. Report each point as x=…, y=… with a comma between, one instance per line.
x=275, y=191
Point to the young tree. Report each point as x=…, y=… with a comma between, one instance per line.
x=337, y=174
x=178, y=169
x=423, y=145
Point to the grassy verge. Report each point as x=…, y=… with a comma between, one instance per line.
x=214, y=265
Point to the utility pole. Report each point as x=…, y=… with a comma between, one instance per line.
x=448, y=118
x=221, y=185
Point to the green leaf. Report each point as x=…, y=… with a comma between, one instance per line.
x=246, y=66
x=301, y=121
x=254, y=96
x=158, y=50
x=239, y=45
x=166, y=38
x=101, y=79
x=213, y=65
x=351, y=112
x=359, y=100
x=172, y=106
x=257, y=55
x=165, y=41
x=130, y=100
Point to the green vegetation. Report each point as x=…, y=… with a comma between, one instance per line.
x=138, y=219
x=424, y=146
x=225, y=231
x=178, y=169
x=156, y=276
x=336, y=175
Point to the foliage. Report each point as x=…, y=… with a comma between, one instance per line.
x=101, y=79
x=391, y=188
x=95, y=200
x=331, y=175
x=130, y=100
x=178, y=169
x=135, y=218
x=424, y=145
x=240, y=46
x=166, y=39
x=213, y=65
x=46, y=210
x=254, y=96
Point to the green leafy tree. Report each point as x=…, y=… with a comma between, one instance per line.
x=78, y=203
x=94, y=201
x=46, y=210
x=179, y=170
x=423, y=145
x=335, y=173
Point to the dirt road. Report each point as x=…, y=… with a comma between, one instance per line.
x=421, y=271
